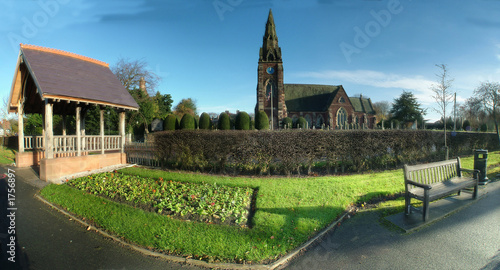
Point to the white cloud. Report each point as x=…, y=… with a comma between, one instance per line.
x=418, y=84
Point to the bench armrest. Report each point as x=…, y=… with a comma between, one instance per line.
x=424, y=186
x=477, y=172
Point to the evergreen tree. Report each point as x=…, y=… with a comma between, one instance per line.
x=261, y=121
x=187, y=122
x=205, y=122
x=406, y=109
x=224, y=122
x=242, y=121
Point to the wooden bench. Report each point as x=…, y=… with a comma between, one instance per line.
x=432, y=181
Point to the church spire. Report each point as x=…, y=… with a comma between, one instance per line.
x=270, y=51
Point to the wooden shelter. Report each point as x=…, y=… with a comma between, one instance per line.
x=49, y=81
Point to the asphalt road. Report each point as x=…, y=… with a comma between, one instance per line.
x=46, y=239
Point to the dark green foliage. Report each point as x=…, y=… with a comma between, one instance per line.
x=171, y=122
x=187, y=122
x=484, y=127
x=287, y=123
x=205, y=122
x=261, y=121
x=294, y=151
x=466, y=125
x=224, y=122
x=302, y=123
x=406, y=108
x=242, y=121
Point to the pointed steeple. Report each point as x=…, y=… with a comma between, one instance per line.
x=270, y=51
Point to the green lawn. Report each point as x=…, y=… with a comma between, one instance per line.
x=7, y=155
x=288, y=212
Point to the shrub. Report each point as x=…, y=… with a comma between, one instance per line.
x=261, y=121
x=484, y=127
x=466, y=125
x=299, y=151
x=287, y=123
x=224, y=122
x=242, y=121
x=187, y=122
x=302, y=123
x=171, y=122
x=205, y=122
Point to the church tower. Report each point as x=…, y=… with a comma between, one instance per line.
x=270, y=87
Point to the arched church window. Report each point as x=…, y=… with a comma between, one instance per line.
x=319, y=121
x=341, y=117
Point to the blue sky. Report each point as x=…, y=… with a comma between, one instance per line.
x=208, y=49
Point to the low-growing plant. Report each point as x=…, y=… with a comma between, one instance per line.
x=208, y=202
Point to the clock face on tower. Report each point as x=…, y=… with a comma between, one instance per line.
x=270, y=70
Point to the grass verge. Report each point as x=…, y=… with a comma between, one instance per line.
x=288, y=212
x=7, y=155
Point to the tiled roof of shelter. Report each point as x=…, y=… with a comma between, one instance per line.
x=309, y=97
x=61, y=75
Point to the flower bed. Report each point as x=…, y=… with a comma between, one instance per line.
x=210, y=203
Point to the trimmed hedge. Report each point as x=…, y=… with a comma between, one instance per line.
x=242, y=121
x=205, y=122
x=261, y=121
x=305, y=151
x=224, y=122
x=302, y=123
x=287, y=123
x=171, y=122
x=187, y=122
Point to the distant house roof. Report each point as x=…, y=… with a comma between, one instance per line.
x=309, y=97
x=60, y=75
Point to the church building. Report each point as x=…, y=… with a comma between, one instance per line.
x=321, y=105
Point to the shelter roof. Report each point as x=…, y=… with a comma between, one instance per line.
x=63, y=76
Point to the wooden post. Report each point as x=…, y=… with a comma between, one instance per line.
x=122, y=132
x=20, y=132
x=49, y=132
x=78, y=132
x=102, y=130
x=64, y=132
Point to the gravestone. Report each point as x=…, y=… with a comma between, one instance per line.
x=157, y=125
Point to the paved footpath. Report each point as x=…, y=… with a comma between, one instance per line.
x=467, y=239
x=47, y=239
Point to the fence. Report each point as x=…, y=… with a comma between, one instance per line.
x=68, y=143
x=142, y=154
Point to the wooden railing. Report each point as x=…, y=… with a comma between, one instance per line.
x=68, y=143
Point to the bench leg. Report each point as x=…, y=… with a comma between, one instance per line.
x=426, y=205
x=407, y=204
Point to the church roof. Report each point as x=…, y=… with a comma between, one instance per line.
x=309, y=97
x=61, y=75
x=361, y=104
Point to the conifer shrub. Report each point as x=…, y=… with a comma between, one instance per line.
x=261, y=121
x=302, y=123
x=224, y=122
x=171, y=122
x=205, y=122
x=187, y=122
x=287, y=123
x=242, y=121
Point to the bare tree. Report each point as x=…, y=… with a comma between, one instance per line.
x=382, y=109
x=130, y=72
x=471, y=110
x=443, y=96
x=488, y=97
